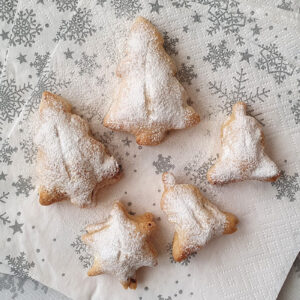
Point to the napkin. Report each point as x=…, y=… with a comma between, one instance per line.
x=225, y=51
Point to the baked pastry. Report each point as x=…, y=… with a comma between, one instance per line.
x=71, y=164
x=242, y=156
x=149, y=100
x=196, y=219
x=121, y=245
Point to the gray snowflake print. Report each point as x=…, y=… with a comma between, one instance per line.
x=16, y=285
x=78, y=29
x=160, y=297
x=40, y=62
x=23, y=185
x=185, y=262
x=287, y=186
x=170, y=44
x=186, y=73
x=219, y=55
x=126, y=8
x=286, y=5
x=65, y=5
x=101, y=2
x=25, y=29
x=184, y=3
x=20, y=267
x=239, y=92
x=11, y=99
x=29, y=149
x=197, y=172
x=47, y=82
x=163, y=164
x=7, y=10
x=296, y=111
x=6, y=152
x=4, y=218
x=226, y=16
x=87, y=64
x=272, y=61
x=4, y=197
x=81, y=249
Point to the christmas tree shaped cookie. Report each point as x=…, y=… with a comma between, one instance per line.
x=71, y=164
x=121, y=245
x=149, y=101
x=196, y=219
x=242, y=156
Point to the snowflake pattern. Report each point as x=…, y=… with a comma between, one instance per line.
x=23, y=185
x=25, y=29
x=274, y=63
x=186, y=74
x=20, y=267
x=15, y=285
x=170, y=44
x=287, y=186
x=6, y=151
x=47, y=82
x=286, y=5
x=160, y=297
x=4, y=218
x=7, y=10
x=237, y=93
x=11, y=100
x=185, y=262
x=4, y=197
x=87, y=64
x=81, y=249
x=40, y=62
x=65, y=5
x=29, y=149
x=197, y=172
x=183, y=3
x=296, y=111
x=126, y=8
x=219, y=55
x=163, y=164
x=78, y=29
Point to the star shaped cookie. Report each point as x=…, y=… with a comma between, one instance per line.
x=196, y=220
x=121, y=245
x=243, y=156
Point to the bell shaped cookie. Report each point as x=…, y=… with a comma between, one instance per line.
x=71, y=164
x=242, y=156
x=121, y=245
x=196, y=220
x=149, y=101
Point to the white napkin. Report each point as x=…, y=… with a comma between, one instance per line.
x=225, y=51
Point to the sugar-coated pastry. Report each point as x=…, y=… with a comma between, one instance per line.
x=196, y=220
x=149, y=101
x=242, y=156
x=121, y=245
x=71, y=164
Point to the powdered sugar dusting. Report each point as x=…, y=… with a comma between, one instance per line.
x=149, y=94
x=120, y=248
x=196, y=219
x=242, y=155
x=70, y=160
